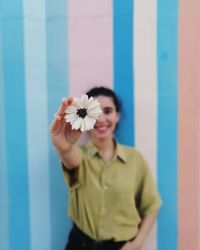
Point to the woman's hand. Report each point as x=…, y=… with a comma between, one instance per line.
x=131, y=245
x=62, y=135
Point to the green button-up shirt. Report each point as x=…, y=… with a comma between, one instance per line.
x=108, y=199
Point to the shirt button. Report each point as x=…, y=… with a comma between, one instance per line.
x=105, y=187
x=103, y=210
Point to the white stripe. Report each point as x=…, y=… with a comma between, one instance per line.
x=4, y=242
x=145, y=68
x=37, y=123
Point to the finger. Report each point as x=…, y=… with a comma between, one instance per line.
x=65, y=103
x=56, y=124
x=57, y=117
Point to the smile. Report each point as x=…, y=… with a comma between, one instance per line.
x=101, y=129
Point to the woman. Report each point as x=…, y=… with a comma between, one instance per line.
x=113, y=198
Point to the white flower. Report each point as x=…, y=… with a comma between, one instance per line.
x=83, y=113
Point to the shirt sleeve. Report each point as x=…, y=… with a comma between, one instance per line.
x=72, y=176
x=148, y=198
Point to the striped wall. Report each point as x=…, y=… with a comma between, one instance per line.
x=16, y=204
x=145, y=112
x=37, y=120
x=188, y=131
x=149, y=53
x=3, y=165
x=167, y=89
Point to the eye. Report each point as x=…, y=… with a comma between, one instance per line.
x=108, y=110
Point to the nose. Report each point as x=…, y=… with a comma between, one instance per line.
x=101, y=118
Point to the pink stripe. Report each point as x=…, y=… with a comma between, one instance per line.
x=90, y=45
x=198, y=63
x=189, y=46
x=199, y=147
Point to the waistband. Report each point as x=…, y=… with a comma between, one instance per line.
x=90, y=242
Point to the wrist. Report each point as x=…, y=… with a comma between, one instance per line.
x=62, y=151
x=136, y=244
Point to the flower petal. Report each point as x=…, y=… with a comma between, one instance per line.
x=89, y=123
x=93, y=105
x=91, y=99
x=77, y=103
x=71, y=120
x=84, y=101
x=71, y=109
x=94, y=110
x=71, y=117
x=95, y=113
x=77, y=124
x=83, y=125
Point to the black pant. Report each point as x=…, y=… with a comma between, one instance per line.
x=80, y=241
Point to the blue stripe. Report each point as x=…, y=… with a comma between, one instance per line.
x=3, y=166
x=167, y=122
x=123, y=67
x=57, y=88
x=15, y=124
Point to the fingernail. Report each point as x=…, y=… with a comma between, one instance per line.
x=63, y=99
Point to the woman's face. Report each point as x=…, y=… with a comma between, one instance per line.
x=105, y=125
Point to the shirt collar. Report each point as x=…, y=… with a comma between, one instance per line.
x=92, y=150
x=120, y=152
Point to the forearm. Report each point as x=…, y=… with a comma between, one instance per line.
x=145, y=227
x=70, y=157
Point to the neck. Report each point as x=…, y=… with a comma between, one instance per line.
x=106, y=147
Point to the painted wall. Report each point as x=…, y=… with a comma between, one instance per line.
x=149, y=53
